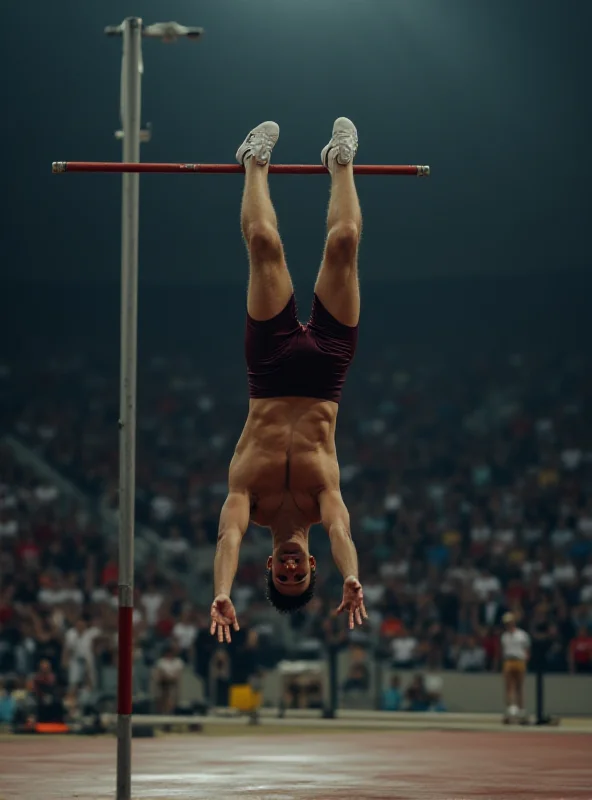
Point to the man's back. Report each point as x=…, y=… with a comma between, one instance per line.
x=286, y=457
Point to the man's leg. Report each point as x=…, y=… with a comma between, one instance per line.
x=270, y=286
x=337, y=284
x=508, y=693
x=519, y=692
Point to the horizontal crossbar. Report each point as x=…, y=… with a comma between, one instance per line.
x=293, y=169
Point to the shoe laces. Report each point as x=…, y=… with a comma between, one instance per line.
x=345, y=142
x=261, y=139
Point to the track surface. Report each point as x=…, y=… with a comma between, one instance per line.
x=361, y=766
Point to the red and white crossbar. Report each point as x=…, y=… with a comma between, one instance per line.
x=287, y=169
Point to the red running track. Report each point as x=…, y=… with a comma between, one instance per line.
x=363, y=766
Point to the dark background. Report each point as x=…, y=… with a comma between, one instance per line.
x=493, y=95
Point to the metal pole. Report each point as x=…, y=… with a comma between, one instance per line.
x=131, y=90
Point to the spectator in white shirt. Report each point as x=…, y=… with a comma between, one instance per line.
x=571, y=458
x=480, y=533
x=547, y=580
x=373, y=592
x=167, y=678
x=398, y=568
x=471, y=656
x=8, y=497
x=175, y=546
x=465, y=573
x=151, y=602
x=515, y=654
x=9, y=526
x=404, y=649
x=392, y=505
x=505, y=536
x=185, y=633
x=46, y=493
x=242, y=595
x=162, y=508
x=78, y=654
x=564, y=572
x=486, y=584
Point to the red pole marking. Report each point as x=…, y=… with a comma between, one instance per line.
x=292, y=169
x=124, y=660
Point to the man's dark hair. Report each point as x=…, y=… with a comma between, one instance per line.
x=288, y=604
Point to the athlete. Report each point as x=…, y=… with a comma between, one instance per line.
x=284, y=473
x=515, y=654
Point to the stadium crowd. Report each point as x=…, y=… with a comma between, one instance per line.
x=470, y=491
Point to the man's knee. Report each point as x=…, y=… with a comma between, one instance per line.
x=264, y=243
x=342, y=244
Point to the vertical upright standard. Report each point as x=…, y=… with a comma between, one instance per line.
x=131, y=102
x=131, y=30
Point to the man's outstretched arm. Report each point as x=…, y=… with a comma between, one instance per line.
x=234, y=521
x=335, y=518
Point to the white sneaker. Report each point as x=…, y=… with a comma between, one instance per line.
x=259, y=143
x=343, y=145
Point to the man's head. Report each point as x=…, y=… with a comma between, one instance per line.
x=509, y=621
x=291, y=577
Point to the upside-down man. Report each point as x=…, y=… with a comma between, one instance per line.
x=284, y=474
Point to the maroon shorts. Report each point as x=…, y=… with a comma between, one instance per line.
x=288, y=359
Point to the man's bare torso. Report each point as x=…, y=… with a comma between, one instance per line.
x=286, y=457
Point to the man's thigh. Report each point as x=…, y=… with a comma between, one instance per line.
x=338, y=289
x=270, y=288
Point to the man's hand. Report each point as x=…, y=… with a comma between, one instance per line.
x=353, y=602
x=223, y=617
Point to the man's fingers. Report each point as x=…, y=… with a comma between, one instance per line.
x=364, y=612
x=358, y=616
x=351, y=619
x=221, y=627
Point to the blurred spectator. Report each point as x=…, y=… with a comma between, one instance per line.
x=471, y=656
x=45, y=689
x=403, y=649
x=175, y=548
x=151, y=601
x=167, y=676
x=78, y=653
x=245, y=656
x=392, y=697
x=358, y=678
x=185, y=633
x=416, y=696
x=218, y=678
x=7, y=705
x=580, y=652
